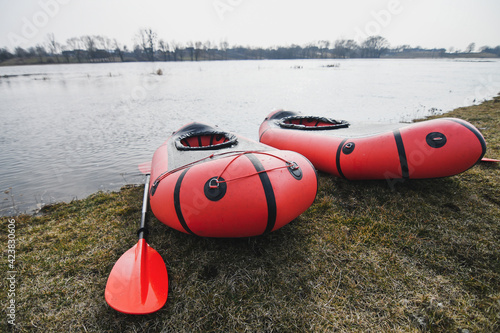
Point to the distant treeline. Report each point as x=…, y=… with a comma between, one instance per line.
x=148, y=47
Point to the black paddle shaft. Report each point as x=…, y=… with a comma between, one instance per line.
x=143, y=231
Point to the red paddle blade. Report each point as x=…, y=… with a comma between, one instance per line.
x=138, y=283
x=145, y=167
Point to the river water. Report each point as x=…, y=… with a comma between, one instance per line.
x=67, y=131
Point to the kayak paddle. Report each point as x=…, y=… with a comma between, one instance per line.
x=492, y=160
x=138, y=282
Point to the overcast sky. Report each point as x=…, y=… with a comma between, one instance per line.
x=426, y=23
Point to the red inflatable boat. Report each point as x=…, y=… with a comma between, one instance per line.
x=211, y=183
x=428, y=149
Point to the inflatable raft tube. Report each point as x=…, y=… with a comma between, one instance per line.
x=211, y=183
x=428, y=149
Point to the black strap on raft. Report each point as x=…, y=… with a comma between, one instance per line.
x=333, y=124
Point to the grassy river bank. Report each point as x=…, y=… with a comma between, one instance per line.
x=419, y=255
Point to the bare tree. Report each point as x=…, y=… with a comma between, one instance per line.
x=177, y=48
x=138, y=53
x=323, y=47
x=374, y=46
x=66, y=53
x=90, y=45
x=142, y=42
x=20, y=53
x=207, y=47
x=105, y=42
x=223, y=47
x=103, y=46
x=190, y=49
x=53, y=46
x=197, y=50
x=352, y=48
x=311, y=50
x=470, y=48
x=76, y=44
x=340, y=48
x=5, y=54
x=163, y=47
x=40, y=52
x=147, y=40
x=118, y=49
